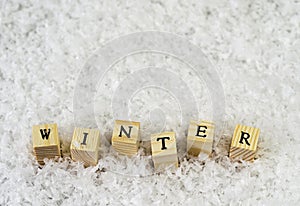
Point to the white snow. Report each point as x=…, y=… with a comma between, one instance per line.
x=254, y=47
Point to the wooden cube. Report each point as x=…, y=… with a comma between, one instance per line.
x=126, y=137
x=164, y=151
x=244, y=143
x=45, y=142
x=200, y=138
x=85, y=146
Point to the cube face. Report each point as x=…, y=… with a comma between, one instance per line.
x=200, y=137
x=85, y=145
x=126, y=131
x=85, y=139
x=164, y=165
x=126, y=137
x=45, y=135
x=244, y=143
x=164, y=150
x=45, y=142
x=198, y=147
x=163, y=144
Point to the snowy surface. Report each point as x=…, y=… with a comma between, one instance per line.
x=253, y=45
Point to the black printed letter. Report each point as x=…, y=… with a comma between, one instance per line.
x=245, y=138
x=84, y=138
x=127, y=134
x=199, y=130
x=45, y=134
x=163, y=146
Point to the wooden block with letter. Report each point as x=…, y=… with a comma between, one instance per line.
x=45, y=142
x=200, y=138
x=164, y=150
x=85, y=146
x=244, y=143
x=126, y=137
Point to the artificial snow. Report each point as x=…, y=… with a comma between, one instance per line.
x=254, y=47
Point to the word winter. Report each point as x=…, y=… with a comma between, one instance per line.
x=126, y=139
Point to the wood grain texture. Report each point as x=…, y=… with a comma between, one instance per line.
x=85, y=146
x=164, y=155
x=126, y=137
x=244, y=143
x=45, y=141
x=200, y=137
x=39, y=141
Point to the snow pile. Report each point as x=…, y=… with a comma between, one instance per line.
x=254, y=46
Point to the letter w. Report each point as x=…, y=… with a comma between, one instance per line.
x=45, y=134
